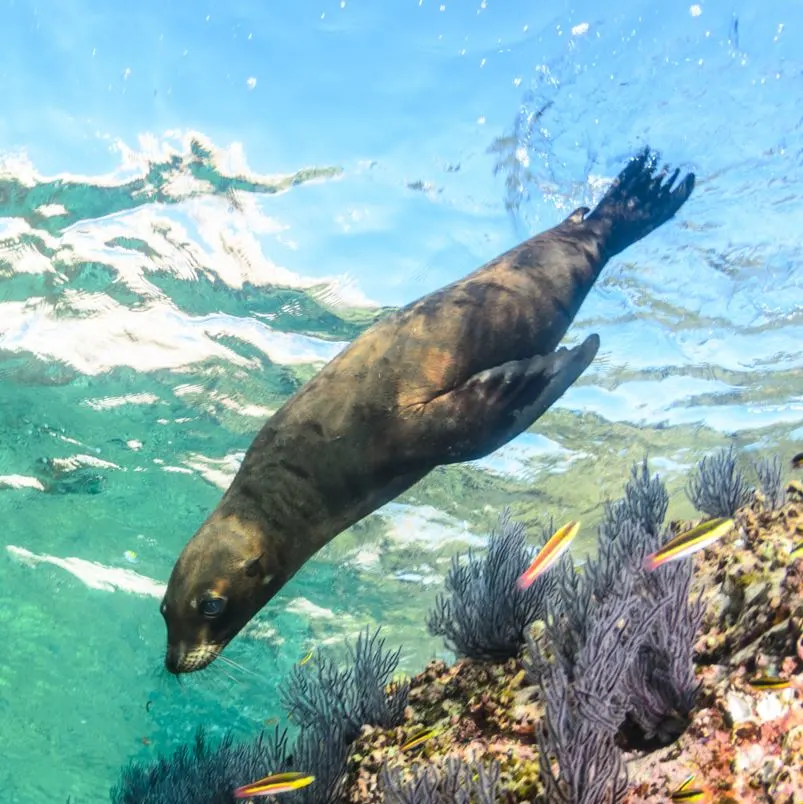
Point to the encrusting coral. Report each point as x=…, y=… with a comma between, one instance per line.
x=623, y=682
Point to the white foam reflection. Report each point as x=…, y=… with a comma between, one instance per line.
x=93, y=574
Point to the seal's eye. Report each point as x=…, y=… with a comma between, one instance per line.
x=213, y=606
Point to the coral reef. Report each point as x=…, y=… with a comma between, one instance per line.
x=329, y=704
x=610, y=686
x=744, y=744
x=614, y=661
x=651, y=686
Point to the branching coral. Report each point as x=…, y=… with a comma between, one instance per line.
x=360, y=694
x=586, y=702
x=718, y=487
x=328, y=703
x=770, y=482
x=661, y=683
x=484, y=615
x=202, y=773
x=645, y=503
x=615, y=652
x=455, y=782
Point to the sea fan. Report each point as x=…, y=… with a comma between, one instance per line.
x=360, y=694
x=453, y=782
x=484, y=615
x=202, y=773
x=718, y=487
x=770, y=481
x=330, y=704
x=645, y=503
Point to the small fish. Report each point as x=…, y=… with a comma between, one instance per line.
x=549, y=554
x=688, y=794
x=685, y=783
x=274, y=784
x=797, y=552
x=769, y=683
x=689, y=542
x=270, y=721
x=797, y=461
x=130, y=556
x=306, y=658
x=419, y=739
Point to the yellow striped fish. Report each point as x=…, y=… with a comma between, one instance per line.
x=688, y=794
x=685, y=783
x=689, y=542
x=274, y=784
x=765, y=682
x=549, y=554
x=420, y=738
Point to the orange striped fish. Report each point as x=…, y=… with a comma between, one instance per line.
x=274, y=784
x=689, y=542
x=549, y=554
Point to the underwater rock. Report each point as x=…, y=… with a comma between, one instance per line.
x=478, y=712
x=752, y=591
x=743, y=744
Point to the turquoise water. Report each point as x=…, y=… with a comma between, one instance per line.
x=201, y=203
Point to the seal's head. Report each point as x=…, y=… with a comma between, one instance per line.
x=222, y=578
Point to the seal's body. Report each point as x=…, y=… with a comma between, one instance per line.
x=451, y=377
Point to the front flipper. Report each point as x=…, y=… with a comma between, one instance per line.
x=495, y=405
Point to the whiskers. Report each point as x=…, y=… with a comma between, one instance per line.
x=237, y=666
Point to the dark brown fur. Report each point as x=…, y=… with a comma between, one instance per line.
x=451, y=377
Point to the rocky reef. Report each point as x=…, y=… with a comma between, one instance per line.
x=601, y=683
x=742, y=744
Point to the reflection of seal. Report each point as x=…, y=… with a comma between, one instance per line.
x=451, y=377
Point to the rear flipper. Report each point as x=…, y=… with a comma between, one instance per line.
x=494, y=406
x=639, y=201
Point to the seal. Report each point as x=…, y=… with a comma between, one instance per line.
x=448, y=378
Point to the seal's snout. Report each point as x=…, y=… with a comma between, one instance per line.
x=174, y=657
x=180, y=658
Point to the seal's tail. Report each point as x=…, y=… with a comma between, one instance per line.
x=639, y=200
